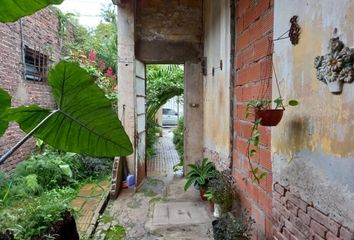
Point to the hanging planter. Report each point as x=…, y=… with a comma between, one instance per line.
x=269, y=117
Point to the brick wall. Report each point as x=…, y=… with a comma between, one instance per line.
x=254, y=27
x=297, y=219
x=39, y=32
x=279, y=213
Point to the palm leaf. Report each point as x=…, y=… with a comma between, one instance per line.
x=189, y=183
x=12, y=10
x=5, y=102
x=84, y=122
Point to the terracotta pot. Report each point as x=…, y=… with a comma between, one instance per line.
x=269, y=117
x=201, y=193
x=211, y=206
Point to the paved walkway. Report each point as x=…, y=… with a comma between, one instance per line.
x=165, y=155
x=160, y=210
x=87, y=202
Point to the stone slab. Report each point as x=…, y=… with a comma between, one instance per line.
x=179, y=213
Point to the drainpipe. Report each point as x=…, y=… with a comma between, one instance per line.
x=232, y=77
x=23, y=61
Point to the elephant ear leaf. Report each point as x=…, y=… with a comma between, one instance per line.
x=5, y=103
x=84, y=122
x=12, y=10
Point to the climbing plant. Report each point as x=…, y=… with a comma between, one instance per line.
x=163, y=83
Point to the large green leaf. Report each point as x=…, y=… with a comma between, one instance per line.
x=5, y=102
x=84, y=122
x=12, y=10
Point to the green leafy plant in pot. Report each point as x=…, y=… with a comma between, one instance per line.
x=263, y=111
x=200, y=174
x=266, y=117
x=221, y=191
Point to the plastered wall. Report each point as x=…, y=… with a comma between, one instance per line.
x=217, y=38
x=313, y=146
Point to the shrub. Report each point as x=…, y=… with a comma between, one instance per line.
x=151, y=138
x=178, y=139
x=230, y=227
x=221, y=188
x=34, y=216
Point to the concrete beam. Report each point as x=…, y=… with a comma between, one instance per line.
x=158, y=51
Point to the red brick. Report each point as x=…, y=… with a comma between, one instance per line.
x=299, y=225
x=279, y=188
x=345, y=233
x=265, y=159
x=265, y=202
x=249, y=17
x=241, y=146
x=40, y=31
x=291, y=207
x=293, y=230
x=331, y=236
x=304, y=217
x=297, y=201
x=262, y=47
x=268, y=228
x=242, y=6
x=324, y=220
x=318, y=228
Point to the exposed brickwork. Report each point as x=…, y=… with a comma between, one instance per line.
x=221, y=162
x=39, y=33
x=254, y=27
x=294, y=218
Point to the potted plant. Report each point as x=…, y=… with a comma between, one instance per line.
x=266, y=117
x=209, y=196
x=263, y=111
x=221, y=191
x=200, y=175
x=231, y=227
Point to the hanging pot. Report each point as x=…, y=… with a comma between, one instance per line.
x=269, y=117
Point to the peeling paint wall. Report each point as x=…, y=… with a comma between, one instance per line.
x=313, y=146
x=217, y=46
x=168, y=31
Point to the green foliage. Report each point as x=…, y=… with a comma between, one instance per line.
x=255, y=135
x=12, y=10
x=200, y=174
x=117, y=232
x=84, y=122
x=104, y=76
x=5, y=103
x=153, y=129
x=221, y=190
x=103, y=38
x=178, y=140
x=163, y=83
x=32, y=217
x=230, y=227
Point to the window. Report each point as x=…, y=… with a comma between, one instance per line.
x=36, y=65
x=168, y=111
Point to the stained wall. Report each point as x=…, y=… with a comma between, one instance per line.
x=313, y=146
x=217, y=50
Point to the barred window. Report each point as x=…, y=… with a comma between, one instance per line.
x=36, y=65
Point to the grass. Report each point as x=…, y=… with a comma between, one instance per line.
x=117, y=232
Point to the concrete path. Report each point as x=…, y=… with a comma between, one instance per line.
x=165, y=156
x=161, y=210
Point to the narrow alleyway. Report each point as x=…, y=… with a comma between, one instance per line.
x=161, y=209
